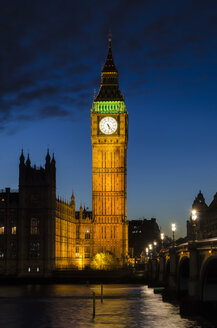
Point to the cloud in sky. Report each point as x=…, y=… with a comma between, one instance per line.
x=52, y=50
x=52, y=111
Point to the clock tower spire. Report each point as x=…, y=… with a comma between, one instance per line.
x=109, y=88
x=109, y=135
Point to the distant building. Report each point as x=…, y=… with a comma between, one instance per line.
x=206, y=223
x=141, y=233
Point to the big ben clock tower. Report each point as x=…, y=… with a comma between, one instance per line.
x=109, y=135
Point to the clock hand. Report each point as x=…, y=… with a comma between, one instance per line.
x=109, y=126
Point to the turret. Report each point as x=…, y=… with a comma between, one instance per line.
x=197, y=227
x=199, y=202
x=53, y=162
x=81, y=212
x=22, y=159
x=47, y=160
x=72, y=201
x=28, y=162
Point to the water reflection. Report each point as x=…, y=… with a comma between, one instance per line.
x=64, y=306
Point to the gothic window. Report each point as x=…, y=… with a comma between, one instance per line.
x=77, y=232
x=34, y=226
x=105, y=232
x=2, y=226
x=77, y=252
x=13, y=225
x=87, y=252
x=34, y=249
x=87, y=232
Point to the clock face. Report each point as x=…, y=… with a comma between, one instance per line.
x=108, y=125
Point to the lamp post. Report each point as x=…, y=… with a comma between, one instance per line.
x=194, y=219
x=173, y=227
x=154, y=247
x=150, y=249
x=162, y=239
x=146, y=251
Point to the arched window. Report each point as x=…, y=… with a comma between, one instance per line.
x=34, y=226
x=87, y=232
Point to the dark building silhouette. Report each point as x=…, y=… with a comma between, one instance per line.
x=27, y=221
x=206, y=223
x=9, y=214
x=142, y=232
x=37, y=211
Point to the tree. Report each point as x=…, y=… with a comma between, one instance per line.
x=104, y=261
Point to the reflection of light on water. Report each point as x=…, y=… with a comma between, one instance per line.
x=64, y=306
x=162, y=314
x=120, y=291
x=108, y=288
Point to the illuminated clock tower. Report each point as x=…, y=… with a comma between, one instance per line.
x=109, y=135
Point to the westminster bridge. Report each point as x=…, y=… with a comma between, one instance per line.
x=189, y=268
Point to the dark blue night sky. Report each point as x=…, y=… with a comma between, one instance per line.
x=51, y=55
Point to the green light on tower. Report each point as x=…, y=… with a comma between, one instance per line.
x=109, y=107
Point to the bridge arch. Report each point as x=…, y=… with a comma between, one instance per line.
x=183, y=274
x=208, y=279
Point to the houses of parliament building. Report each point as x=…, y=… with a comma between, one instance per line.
x=40, y=233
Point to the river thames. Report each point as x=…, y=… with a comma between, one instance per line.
x=66, y=306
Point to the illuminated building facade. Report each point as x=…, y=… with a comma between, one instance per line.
x=40, y=233
x=109, y=134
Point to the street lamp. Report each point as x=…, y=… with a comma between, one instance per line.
x=173, y=227
x=194, y=219
x=146, y=251
x=162, y=239
x=150, y=249
x=154, y=247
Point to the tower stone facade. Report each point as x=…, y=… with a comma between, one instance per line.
x=109, y=135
